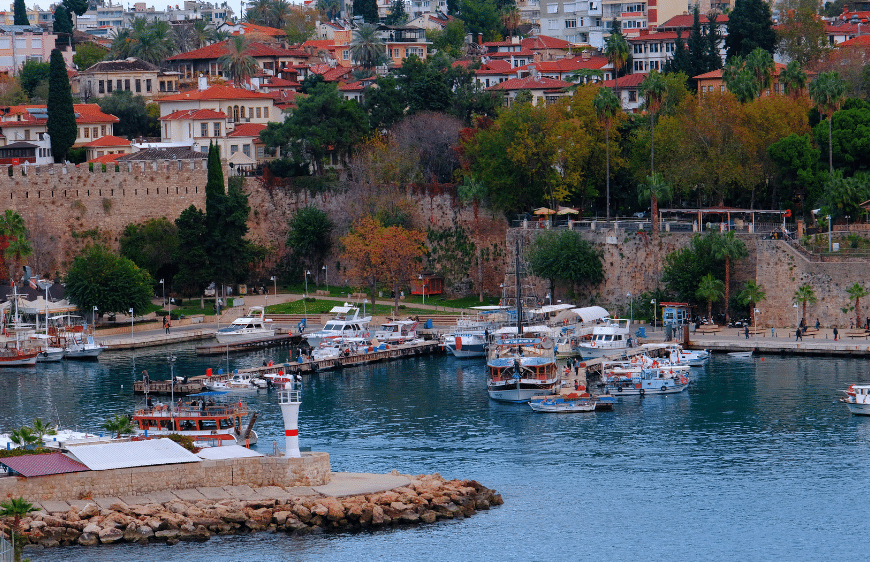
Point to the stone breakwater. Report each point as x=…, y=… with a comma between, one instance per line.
x=426, y=499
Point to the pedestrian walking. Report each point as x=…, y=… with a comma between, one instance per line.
x=772, y=332
x=166, y=324
x=818, y=324
x=836, y=333
x=798, y=335
x=746, y=331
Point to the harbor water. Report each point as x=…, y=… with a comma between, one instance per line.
x=756, y=461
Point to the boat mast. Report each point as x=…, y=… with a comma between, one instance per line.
x=519, y=293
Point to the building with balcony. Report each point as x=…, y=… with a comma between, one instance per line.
x=131, y=75
x=21, y=43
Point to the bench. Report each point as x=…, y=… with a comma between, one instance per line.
x=708, y=329
x=811, y=332
x=862, y=334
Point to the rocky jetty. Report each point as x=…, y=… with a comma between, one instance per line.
x=426, y=499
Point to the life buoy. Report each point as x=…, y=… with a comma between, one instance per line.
x=664, y=388
x=642, y=391
x=619, y=388
x=592, y=344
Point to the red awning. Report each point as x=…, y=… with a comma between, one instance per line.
x=42, y=465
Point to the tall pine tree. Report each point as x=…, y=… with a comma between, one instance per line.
x=750, y=25
x=20, y=13
x=61, y=125
x=215, y=191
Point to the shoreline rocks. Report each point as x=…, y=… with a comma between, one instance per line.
x=425, y=500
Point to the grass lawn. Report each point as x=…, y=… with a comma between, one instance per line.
x=324, y=306
x=433, y=300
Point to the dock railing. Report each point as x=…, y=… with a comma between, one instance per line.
x=7, y=549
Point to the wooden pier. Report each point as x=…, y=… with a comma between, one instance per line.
x=282, y=340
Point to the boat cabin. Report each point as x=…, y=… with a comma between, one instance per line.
x=192, y=416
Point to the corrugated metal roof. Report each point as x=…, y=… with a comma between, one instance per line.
x=226, y=452
x=42, y=465
x=134, y=453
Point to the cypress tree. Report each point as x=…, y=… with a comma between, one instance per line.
x=20, y=13
x=750, y=25
x=368, y=9
x=713, y=59
x=215, y=191
x=61, y=125
x=63, y=24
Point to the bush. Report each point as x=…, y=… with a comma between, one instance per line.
x=4, y=454
x=78, y=155
x=185, y=441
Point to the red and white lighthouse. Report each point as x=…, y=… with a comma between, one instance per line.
x=290, y=399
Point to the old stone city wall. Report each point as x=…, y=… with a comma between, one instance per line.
x=312, y=469
x=632, y=264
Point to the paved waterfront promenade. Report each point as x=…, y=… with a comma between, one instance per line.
x=341, y=484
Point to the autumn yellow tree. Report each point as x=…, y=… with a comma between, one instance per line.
x=383, y=255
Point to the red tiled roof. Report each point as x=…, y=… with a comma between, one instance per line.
x=544, y=42
x=195, y=114
x=43, y=465
x=215, y=93
x=508, y=54
x=217, y=50
x=252, y=27
x=655, y=36
x=247, y=130
x=87, y=113
x=778, y=67
x=319, y=43
x=355, y=86
x=860, y=41
x=329, y=73
x=529, y=83
x=108, y=140
x=106, y=158
x=568, y=65
x=280, y=83
x=687, y=20
x=630, y=81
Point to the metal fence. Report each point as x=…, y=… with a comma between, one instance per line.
x=7, y=550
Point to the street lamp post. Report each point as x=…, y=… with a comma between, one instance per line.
x=830, y=246
x=755, y=321
x=423, y=282
x=631, y=298
x=131, y=324
x=796, y=315
x=94, y=317
x=307, y=273
x=654, y=303
x=326, y=270
x=163, y=287
x=549, y=299
x=275, y=284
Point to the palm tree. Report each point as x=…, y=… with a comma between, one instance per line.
x=258, y=12
x=41, y=428
x=828, y=91
x=367, y=48
x=711, y=290
x=24, y=437
x=728, y=247
x=329, y=8
x=279, y=13
x=654, y=189
x=857, y=291
x=510, y=18
x=759, y=63
x=752, y=294
x=805, y=294
x=607, y=107
x=236, y=63
x=793, y=79
x=16, y=508
x=14, y=231
x=654, y=90
x=119, y=425
x=616, y=51
x=152, y=43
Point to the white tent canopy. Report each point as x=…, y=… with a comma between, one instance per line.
x=552, y=308
x=590, y=313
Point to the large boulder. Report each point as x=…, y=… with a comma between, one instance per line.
x=88, y=539
x=111, y=535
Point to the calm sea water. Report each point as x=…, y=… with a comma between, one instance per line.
x=756, y=461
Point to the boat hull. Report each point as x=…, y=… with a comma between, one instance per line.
x=588, y=353
x=560, y=406
x=24, y=360
x=631, y=390
x=858, y=409
x=241, y=337
x=210, y=437
x=476, y=350
x=518, y=395
x=51, y=355
x=86, y=353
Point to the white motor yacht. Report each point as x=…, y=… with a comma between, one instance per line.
x=347, y=323
x=247, y=328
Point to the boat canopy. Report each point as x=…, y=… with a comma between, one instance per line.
x=552, y=308
x=590, y=313
x=490, y=307
x=342, y=309
x=526, y=329
x=209, y=393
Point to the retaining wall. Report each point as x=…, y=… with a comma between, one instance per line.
x=312, y=469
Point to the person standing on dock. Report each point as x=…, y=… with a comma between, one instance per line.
x=166, y=324
x=836, y=333
x=798, y=335
x=746, y=331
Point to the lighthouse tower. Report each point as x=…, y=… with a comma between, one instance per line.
x=290, y=399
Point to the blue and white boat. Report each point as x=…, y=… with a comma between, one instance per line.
x=656, y=380
x=521, y=366
x=347, y=323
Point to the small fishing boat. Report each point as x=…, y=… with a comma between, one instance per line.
x=610, y=338
x=82, y=346
x=239, y=382
x=656, y=380
x=857, y=399
x=247, y=328
x=740, y=354
x=13, y=356
x=47, y=351
x=397, y=331
x=563, y=405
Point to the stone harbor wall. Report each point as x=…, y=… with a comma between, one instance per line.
x=425, y=499
x=312, y=469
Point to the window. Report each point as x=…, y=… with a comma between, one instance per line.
x=109, y=86
x=251, y=112
x=101, y=87
x=265, y=112
x=261, y=152
x=345, y=54
x=26, y=134
x=632, y=95
x=569, y=8
x=162, y=86
x=234, y=148
x=148, y=85
x=553, y=24
x=203, y=128
x=103, y=130
x=258, y=113
x=87, y=133
x=570, y=23
x=203, y=149
x=36, y=43
x=100, y=153
x=138, y=85
x=96, y=132
x=552, y=8
x=20, y=43
x=119, y=85
x=246, y=149
x=217, y=129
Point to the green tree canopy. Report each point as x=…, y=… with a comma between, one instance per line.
x=63, y=25
x=684, y=267
x=32, y=74
x=153, y=246
x=310, y=237
x=88, y=54
x=750, y=26
x=194, y=272
x=61, y=125
x=324, y=121
x=450, y=39
x=20, y=13
x=397, y=15
x=97, y=277
x=711, y=290
x=566, y=257
x=368, y=9
x=481, y=17
x=751, y=294
x=135, y=120
x=367, y=47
